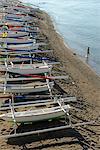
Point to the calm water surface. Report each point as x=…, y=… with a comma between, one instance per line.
x=78, y=21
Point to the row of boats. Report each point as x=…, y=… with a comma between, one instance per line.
x=25, y=69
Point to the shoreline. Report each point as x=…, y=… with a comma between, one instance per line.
x=68, y=46
x=85, y=77
x=81, y=56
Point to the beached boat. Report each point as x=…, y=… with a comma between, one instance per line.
x=23, y=58
x=14, y=43
x=19, y=20
x=24, y=29
x=23, y=18
x=9, y=11
x=27, y=68
x=25, y=9
x=15, y=16
x=36, y=115
x=32, y=48
x=20, y=29
x=15, y=60
x=22, y=52
x=12, y=25
x=25, y=88
x=13, y=34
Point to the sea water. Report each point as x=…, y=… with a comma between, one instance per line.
x=78, y=21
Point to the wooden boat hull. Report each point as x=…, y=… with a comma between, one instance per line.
x=17, y=52
x=29, y=71
x=23, y=49
x=16, y=60
x=18, y=25
x=17, y=20
x=12, y=34
x=25, y=9
x=14, y=43
x=35, y=115
x=12, y=16
x=26, y=88
x=33, y=31
x=27, y=44
x=13, y=23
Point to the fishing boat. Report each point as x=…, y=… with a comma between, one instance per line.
x=11, y=25
x=13, y=34
x=28, y=10
x=36, y=115
x=19, y=17
x=16, y=16
x=25, y=88
x=30, y=49
x=14, y=43
x=19, y=14
x=22, y=52
x=9, y=12
x=23, y=58
x=38, y=68
x=15, y=60
x=22, y=29
x=19, y=20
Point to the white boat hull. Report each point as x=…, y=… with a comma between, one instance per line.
x=12, y=34
x=14, y=43
x=29, y=71
x=35, y=115
x=26, y=89
x=19, y=45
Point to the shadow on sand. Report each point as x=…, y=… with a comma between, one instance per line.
x=76, y=137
